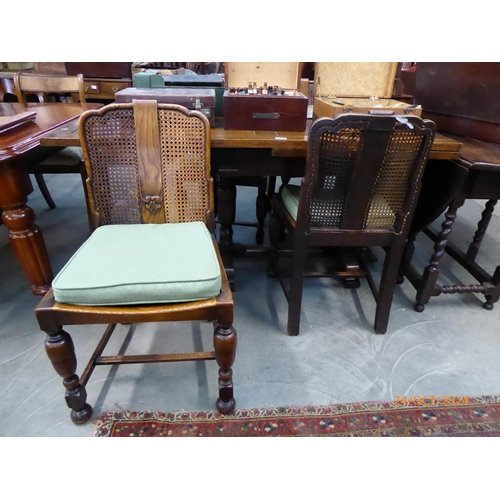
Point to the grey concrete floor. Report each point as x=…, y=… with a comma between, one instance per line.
x=452, y=348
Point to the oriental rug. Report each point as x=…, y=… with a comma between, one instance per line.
x=480, y=416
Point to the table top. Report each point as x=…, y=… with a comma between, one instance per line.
x=49, y=116
x=282, y=143
x=480, y=154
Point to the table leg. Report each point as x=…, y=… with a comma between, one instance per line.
x=226, y=213
x=431, y=272
x=482, y=226
x=262, y=205
x=24, y=235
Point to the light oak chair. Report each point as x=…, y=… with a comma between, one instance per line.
x=47, y=88
x=362, y=179
x=153, y=256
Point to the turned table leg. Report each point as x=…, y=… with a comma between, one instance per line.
x=431, y=272
x=24, y=235
x=482, y=226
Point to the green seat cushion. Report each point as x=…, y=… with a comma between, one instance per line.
x=290, y=196
x=141, y=264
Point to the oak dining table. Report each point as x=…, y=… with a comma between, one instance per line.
x=238, y=154
x=19, y=147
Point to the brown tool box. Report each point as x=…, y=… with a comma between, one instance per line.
x=202, y=100
x=357, y=88
x=286, y=111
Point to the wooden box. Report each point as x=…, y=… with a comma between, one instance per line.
x=155, y=79
x=357, y=88
x=202, y=100
x=287, y=112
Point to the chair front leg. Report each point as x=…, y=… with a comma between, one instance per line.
x=225, y=352
x=61, y=352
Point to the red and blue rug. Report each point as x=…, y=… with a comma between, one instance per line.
x=479, y=417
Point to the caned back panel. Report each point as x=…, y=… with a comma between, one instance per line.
x=344, y=175
x=110, y=145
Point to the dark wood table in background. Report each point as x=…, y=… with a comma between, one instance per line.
x=446, y=187
x=18, y=147
x=248, y=153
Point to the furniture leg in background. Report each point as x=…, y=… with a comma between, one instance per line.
x=24, y=235
x=235, y=166
x=470, y=181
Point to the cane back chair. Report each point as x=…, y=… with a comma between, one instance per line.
x=153, y=256
x=60, y=88
x=360, y=187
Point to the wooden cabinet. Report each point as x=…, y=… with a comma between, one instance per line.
x=105, y=88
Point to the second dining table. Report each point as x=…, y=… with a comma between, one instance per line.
x=19, y=147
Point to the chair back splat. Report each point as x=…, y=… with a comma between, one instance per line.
x=152, y=256
x=156, y=155
x=360, y=188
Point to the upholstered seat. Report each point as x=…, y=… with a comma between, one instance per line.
x=380, y=213
x=141, y=264
x=153, y=256
x=71, y=156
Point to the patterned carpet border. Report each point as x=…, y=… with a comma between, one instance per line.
x=480, y=417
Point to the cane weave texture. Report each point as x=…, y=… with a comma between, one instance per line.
x=110, y=141
x=338, y=165
x=183, y=151
x=114, y=179
x=393, y=182
x=337, y=156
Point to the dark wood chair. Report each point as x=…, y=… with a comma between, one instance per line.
x=52, y=88
x=153, y=256
x=360, y=187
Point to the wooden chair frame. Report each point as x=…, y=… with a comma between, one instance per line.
x=40, y=85
x=31, y=83
x=53, y=316
x=354, y=235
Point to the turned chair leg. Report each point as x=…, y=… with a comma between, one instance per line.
x=225, y=351
x=61, y=352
